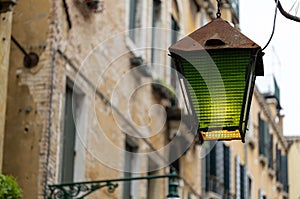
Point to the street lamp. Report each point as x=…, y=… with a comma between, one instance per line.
x=217, y=66
x=173, y=186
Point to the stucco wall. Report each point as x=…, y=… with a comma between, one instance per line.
x=5, y=26
x=293, y=165
x=28, y=98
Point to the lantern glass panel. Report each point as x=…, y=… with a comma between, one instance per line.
x=216, y=87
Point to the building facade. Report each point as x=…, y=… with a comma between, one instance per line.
x=93, y=107
x=293, y=165
x=103, y=102
x=5, y=27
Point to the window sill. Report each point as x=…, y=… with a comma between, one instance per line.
x=285, y=195
x=251, y=142
x=271, y=173
x=279, y=186
x=138, y=60
x=212, y=195
x=263, y=160
x=133, y=48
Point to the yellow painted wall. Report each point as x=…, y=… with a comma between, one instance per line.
x=25, y=120
x=293, y=167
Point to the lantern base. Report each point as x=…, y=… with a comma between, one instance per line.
x=221, y=135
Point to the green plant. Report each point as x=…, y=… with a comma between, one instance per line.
x=9, y=188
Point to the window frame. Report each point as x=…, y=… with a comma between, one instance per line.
x=76, y=107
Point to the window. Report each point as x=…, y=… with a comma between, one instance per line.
x=135, y=19
x=68, y=141
x=154, y=186
x=235, y=6
x=156, y=43
x=281, y=169
x=284, y=173
x=130, y=163
x=243, y=181
x=265, y=141
x=261, y=195
x=270, y=149
x=175, y=29
x=174, y=38
x=215, y=169
x=249, y=189
x=72, y=158
x=227, y=171
x=203, y=19
x=278, y=163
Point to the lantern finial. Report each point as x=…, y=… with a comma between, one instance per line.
x=219, y=11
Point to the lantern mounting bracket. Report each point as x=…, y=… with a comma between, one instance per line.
x=79, y=190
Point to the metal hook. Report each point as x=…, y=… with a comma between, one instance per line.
x=219, y=11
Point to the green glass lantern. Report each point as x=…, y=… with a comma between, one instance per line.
x=217, y=66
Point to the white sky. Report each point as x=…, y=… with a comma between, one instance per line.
x=282, y=56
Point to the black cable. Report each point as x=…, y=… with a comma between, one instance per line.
x=19, y=45
x=67, y=14
x=274, y=23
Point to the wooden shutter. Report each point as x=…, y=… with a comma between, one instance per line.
x=266, y=139
x=213, y=162
x=261, y=135
x=243, y=181
x=220, y=162
x=227, y=168
x=278, y=162
x=270, y=149
x=284, y=172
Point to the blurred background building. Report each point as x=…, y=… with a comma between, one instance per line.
x=87, y=106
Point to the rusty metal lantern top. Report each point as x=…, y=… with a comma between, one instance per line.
x=217, y=34
x=218, y=67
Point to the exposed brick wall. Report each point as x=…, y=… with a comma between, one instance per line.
x=46, y=87
x=39, y=83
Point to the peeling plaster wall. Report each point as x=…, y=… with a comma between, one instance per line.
x=5, y=27
x=96, y=46
x=22, y=137
x=28, y=98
